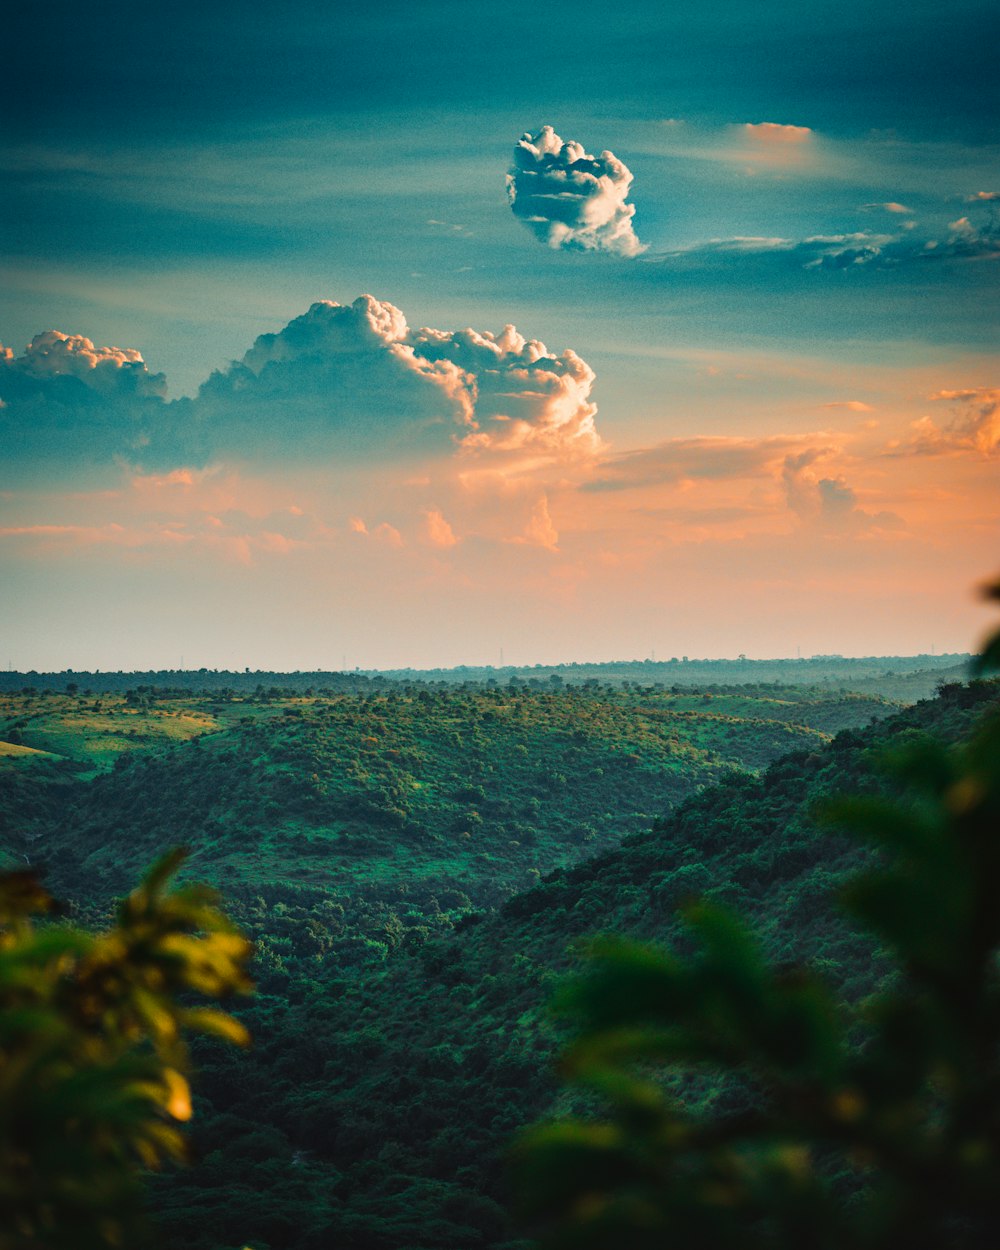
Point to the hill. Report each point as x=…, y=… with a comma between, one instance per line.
x=375, y=1109
x=395, y=814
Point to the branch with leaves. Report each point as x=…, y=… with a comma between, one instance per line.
x=94, y=1061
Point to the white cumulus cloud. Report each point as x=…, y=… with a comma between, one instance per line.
x=106, y=370
x=340, y=382
x=357, y=377
x=570, y=198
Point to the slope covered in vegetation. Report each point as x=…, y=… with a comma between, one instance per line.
x=378, y=1111
x=382, y=817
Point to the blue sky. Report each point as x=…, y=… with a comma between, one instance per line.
x=815, y=197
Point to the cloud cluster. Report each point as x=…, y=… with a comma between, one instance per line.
x=342, y=381
x=571, y=199
x=64, y=398
x=356, y=377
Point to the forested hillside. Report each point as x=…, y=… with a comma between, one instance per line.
x=377, y=819
x=389, y=1071
x=378, y=1111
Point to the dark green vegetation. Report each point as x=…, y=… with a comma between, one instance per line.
x=402, y=1036
x=867, y=1125
x=380, y=818
x=93, y=1055
x=871, y=1124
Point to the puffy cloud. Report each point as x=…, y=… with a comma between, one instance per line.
x=974, y=427
x=106, y=370
x=343, y=377
x=65, y=398
x=340, y=381
x=571, y=199
x=980, y=197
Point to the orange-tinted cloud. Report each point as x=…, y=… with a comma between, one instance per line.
x=777, y=132
x=974, y=426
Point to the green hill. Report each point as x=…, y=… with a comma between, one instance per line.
x=402, y=811
x=375, y=1112
x=376, y=1105
x=407, y=949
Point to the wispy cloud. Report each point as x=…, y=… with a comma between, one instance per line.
x=777, y=132
x=889, y=206
x=709, y=457
x=962, y=239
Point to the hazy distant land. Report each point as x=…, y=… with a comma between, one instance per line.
x=902, y=678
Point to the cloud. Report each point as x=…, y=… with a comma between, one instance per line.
x=836, y=251
x=852, y=405
x=63, y=537
x=711, y=458
x=339, y=382
x=382, y=533
x=64, y=398
x=344, y=378
x=974, y=427
x=890, y=206
x=964, y=240
x=540, y=530
x=105, y=370
x=776, y=132
x=437, y=530
x=827, y=503
x=980, y=197
x=571, y=199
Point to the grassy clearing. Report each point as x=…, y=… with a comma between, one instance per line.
x=96, y=732
x=15, y=751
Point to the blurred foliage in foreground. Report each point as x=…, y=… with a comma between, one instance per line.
x=870, y=1127
x=93, y=1058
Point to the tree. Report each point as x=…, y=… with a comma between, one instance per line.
x=93, y=1057
x=827, y=1125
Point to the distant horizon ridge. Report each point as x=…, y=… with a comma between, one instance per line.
x=936, y=659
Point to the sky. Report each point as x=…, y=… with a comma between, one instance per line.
x=421, y=334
